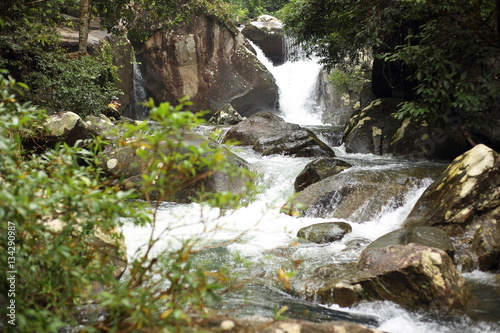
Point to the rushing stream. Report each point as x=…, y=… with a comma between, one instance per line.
x=258, y=241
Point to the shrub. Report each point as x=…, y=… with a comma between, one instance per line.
x=54, y=208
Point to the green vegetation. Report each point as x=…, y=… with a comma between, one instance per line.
x=243, y=11
x=63, y=216
x=447, y=52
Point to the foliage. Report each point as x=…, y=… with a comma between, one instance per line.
x=243, y=11
x=30, y=48
x=347, y=81
x=451, y=48
x=57, y=206
x=61, y=84
x=123, y=17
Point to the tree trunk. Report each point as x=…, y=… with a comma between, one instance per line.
x=85, y=13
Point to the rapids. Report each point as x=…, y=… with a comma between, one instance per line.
x=258, y=241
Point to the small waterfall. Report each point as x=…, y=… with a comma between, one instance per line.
x=140, y=95
x=296, y=80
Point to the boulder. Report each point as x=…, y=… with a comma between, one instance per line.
x=414, y=276
x=226, y=116
x=66, y=127
x=210, y=62
x=123, y=163
x=325, y=232
x=374, y=130
x=270, y=134
x=267, y=33
x=317, y=170
x=465, y=201
x=428, y=236
x=358, y=195
x=336, y=105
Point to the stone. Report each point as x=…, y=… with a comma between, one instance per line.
x=66, y=127
x=414, y=276
x=373, y=130
x=429, y=236
x=317, y=170
x=226, y=116
x=464, y=200
x=210, y=62
x=267, y=33
x=357, y=195
x=337, y=106
x=270, y=134
x=325, y=232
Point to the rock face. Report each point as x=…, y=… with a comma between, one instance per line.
x=325, y=232
x=270, y=134
x=267, y=33
x=413, y=275
x=374, y=130
x=465, y=202
x=317, y=170
x=356, y=195
x=337, y=106
x=209, y=62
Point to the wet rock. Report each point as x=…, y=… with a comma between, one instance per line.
x=267, y=33
x=336, y=104
x=317, y=170
x=413, y=276
x=124, y=164
x=428, y=236
x=226, y=116
x=210, y=62
x=325, y=232
x=464, y=200
x=270, y=134
x=374, y=130
x=357, y=195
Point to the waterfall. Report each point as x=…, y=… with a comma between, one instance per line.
x=296, y=80
x=266, y=239
x=140, y=95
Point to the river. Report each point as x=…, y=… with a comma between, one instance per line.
x=258, y=241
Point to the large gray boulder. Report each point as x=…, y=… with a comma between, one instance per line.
x=374, y=130
x=64, y=127
x=465, y=201
x=210, y=62
x=270, y=134
x=336, y=105
x=325, y=232
x=413, y=276
x=357, y=195
x=317, y=170
x=429, y=236
x=267, y=33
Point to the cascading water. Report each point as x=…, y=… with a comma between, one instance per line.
x=266, y=238
x=140, y=96
x=296, y=79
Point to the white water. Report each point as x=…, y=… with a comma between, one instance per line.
x=140, y=96
x=260, y=229
x=296, y=81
